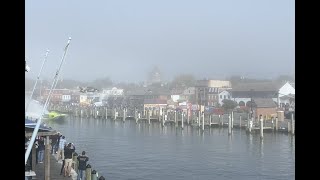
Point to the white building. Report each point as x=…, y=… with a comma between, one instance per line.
x=66, y=98
x=224, y=95
x=286, y=95
x=112, y=92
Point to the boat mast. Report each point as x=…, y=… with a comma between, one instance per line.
x=35, y=84
x=36, y=129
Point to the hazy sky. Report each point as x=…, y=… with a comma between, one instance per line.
x=125, y=39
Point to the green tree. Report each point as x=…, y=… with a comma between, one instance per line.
x=228, y=105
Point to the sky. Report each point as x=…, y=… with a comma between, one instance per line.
x=125, y=39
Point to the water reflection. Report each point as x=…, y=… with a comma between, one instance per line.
x=170, y=153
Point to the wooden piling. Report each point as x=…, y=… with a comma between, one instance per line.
x=94, y=175
x=292, y=124
x=88, y=172
x=261, y=127
x=232, y=120
x=148, y=114
x=47, y=159
x=199, y=118
x=182, y=120
x=75, y=162
x=33, y=157
x=163, y=118
x=289, y=126
x=272, y=122
x=250, y=124
x=229, y=125
x=135, y=115
x=202, y=121
x=210, y=118
x=240, y=121
x=277, y=127
x=106, y=112
x=175, y=118
x=124, y=115
x=187, y=116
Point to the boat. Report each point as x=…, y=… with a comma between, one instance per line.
x=56, y=116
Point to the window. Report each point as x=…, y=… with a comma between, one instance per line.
x=220, y=96
x=224, y=96
x=228, y=96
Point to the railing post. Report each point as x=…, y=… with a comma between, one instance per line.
x=88, y=172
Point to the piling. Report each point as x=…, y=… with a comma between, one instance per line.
x=210, y=118
x=199, y=118
x=289, y=126
x=175, y=118
x=240, y=121
x=75, y=161
x=47, y=159
x=272, y=122
x=277, y=127
x=292, y=124
x=101, y=178
x=250, y=124
x=148, y=114
x=106, y=112
x=261, y=127
x=124, y=115
x=115, y=114
x=88, y=172
x=93, y=175
x=232, y=120
x=202, y=121
x=182, y=120
x=135, y=116
x=229, y=125
x=187, y=116
x=163, y=118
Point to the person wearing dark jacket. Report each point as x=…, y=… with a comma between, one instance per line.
x=67, y=160
x=82, y=165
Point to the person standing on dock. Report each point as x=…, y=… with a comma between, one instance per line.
x=54, y=143
x=82, y=165
x=67, y=160
x=62, y=144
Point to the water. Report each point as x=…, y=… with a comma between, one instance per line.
x=128, y=150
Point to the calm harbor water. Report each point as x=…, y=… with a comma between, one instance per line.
x=128, y=150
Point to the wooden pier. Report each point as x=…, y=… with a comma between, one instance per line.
x=55, y=168
x=171, y=116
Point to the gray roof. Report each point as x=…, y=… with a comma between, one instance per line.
x=264, y=103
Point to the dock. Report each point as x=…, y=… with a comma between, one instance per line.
x=55, y=168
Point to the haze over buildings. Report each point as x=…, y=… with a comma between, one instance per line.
x=125, y=40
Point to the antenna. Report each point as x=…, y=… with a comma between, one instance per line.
x=35, y=131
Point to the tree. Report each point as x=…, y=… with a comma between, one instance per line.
x=228, y=104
